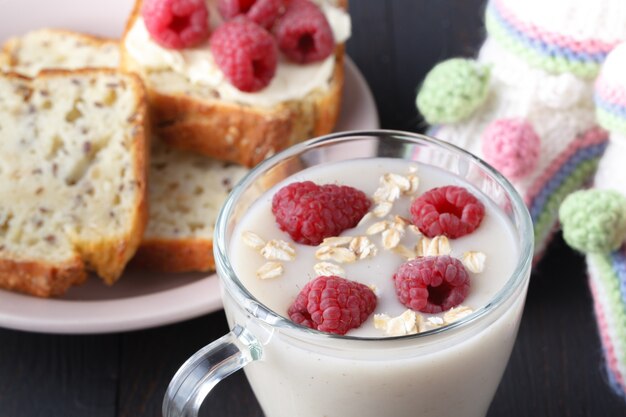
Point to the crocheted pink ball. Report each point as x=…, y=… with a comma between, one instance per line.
x=512, y=146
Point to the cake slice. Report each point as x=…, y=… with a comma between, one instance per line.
x=72, y=177
x=187, y=192
x=57, y=49
x=191, y=112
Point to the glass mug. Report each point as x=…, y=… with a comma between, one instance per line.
x=295, y=371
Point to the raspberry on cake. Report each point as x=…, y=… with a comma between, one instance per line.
x=450, y=211
x=311, y=212
x=176, y=24
x=261, y=12
x=218, y=105
x=432, y=284
x=303, y=33
x=246, y=54
x=333, y=304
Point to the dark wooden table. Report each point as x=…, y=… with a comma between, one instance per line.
x=556, y=368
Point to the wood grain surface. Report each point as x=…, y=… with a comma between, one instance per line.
x=556, y=368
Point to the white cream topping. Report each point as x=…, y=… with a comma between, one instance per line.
x=291, y=81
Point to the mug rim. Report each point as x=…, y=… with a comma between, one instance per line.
x=517, y=278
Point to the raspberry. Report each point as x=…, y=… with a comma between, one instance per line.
x=246, y=54
x=261, y=12
x=332, y=304
x=176, y=24
x=450, y=211
x=303, y=33
x=311, y=212
x=431, y=284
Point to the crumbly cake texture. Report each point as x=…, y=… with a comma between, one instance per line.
x=186, y=193
x=57, y=48
x=536, y=121
x=72, y=177
x=594, y=221
x=192, y=117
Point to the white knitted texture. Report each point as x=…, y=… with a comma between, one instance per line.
x=614, y=68
x=611, y=173
x=600, y=20
x=559, y=107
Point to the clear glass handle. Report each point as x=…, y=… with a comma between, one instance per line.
x=200, y=373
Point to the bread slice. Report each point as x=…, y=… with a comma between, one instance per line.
x=186, y=193
x=72, y=177
x=192, y=117
x=57, y=49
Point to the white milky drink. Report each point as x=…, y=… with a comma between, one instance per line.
x=444, y=373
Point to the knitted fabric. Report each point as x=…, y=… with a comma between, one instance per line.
x=610, y=92
x=601, y=235
x=607, y=280
x=559, y=36
x=543, y=57
x=595, y=219
x=512, y=146
x=453, y=90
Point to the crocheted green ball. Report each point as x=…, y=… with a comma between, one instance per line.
x=594, y=221
x=452, y=90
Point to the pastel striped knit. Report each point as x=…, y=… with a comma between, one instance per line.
x=526, y=103
x=555, y=49
x=594, y=221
